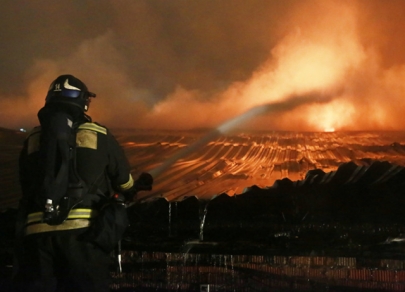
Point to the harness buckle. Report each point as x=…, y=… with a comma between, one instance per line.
x=57, y=215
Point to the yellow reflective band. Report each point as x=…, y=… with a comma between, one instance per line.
x=128, y=184
x=86, y=139
x=93, y=127
x=79, y=213
x=67, y=225
x=35, y=217
x=82, y=213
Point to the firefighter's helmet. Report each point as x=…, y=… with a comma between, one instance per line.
x=67, y=89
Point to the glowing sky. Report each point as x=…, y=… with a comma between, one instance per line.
x=184, y=64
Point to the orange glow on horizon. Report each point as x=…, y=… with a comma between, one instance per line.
x=345, y=51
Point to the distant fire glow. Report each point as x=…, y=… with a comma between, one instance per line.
x=212, y=62
x=311, y=58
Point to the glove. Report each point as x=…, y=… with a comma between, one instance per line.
x=144, y=182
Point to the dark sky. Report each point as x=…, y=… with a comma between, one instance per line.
x=182, y=64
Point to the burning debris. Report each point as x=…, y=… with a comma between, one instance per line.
x=288, y=199
x=355, y=201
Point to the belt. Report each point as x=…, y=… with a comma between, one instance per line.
x=77, y=218
x=79, y=213
x=66, y=225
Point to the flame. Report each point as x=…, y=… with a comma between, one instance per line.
x=344, y=49
x=330, y=117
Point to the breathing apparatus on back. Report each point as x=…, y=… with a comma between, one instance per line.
x=66, y=103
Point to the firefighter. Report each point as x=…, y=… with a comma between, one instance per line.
x=74, y=178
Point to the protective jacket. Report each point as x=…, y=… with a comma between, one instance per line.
x=101, y=164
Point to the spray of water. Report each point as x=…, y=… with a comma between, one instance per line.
x=275, y=107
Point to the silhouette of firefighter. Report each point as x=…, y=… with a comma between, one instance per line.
x=75, y=180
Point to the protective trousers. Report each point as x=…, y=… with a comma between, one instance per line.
x=61, y=261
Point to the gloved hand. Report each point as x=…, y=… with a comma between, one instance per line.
x=144, y=182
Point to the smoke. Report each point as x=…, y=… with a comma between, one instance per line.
x=196, y=64
x=310, y=57
x=228, y=126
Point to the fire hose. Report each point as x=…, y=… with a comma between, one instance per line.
x=143, y=183
x=146, y=179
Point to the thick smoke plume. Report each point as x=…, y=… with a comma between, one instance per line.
x=195, y=64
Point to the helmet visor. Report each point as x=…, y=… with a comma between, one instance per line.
x=70, y=93
x=75, y=93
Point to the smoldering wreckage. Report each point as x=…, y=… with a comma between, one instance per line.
x=319, y=228
x=327, y=231
x=330, y=231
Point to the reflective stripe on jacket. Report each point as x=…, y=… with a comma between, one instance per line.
x=67, y=225
x=100, y=162
x=77, y=218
